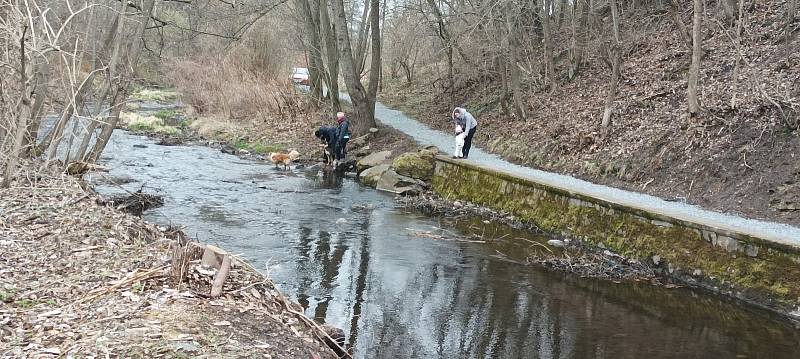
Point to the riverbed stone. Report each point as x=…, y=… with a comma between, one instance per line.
x=313, y=169
x=556, y=243
x=751, y=250
x=370, y=176
x=415, y=165
x=396, y=183
x=373, y=160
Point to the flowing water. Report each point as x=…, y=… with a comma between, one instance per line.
x=403, y=285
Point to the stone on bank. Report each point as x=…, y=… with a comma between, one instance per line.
x=373, y=160
x=393, y=182
x=417, y=165
x=370, y=176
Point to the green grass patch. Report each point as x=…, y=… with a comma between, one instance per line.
x=26, y=303
x=157, y=95
x=148, y=124
x=165, y=114
x=7, y=295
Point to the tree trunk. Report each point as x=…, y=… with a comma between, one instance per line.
x=23, y=112
x=361, y=49
x=579, y=37
x=363, y=108
x=331, y=53
x=313, y=48
x=697, y=53
x=76, y=103
x=375, y=66
x=683, y=33
x=122, y=84
x=548, y=46
x=615, y=60
x=117, y=101
x=41, y=73
x=729, y=10
x=513, y=32
x=738, y=60
x=113, y=41
x=791, y=8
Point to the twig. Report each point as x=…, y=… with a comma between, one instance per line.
x=744, y=159
x=143, y=276
x=647, y=183
x=536, y=244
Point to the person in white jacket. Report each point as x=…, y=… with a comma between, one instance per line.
x=468, y=124
x=460, y=135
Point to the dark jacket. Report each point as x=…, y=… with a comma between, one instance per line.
x=343, y=132
x=329, y=134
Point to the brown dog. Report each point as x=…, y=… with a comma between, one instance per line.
x=285, y=158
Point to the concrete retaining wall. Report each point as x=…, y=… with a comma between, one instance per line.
x=764, y=272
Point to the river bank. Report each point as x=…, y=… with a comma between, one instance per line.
x=81, y=278
x=162, y=114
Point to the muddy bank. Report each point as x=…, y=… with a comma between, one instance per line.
x=82, y=279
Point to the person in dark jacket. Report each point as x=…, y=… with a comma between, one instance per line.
x=342, y=136
x=470, y=124
x=328, y=135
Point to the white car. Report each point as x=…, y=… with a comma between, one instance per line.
x=300, y=75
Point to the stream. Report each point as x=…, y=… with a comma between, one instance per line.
x=404, y=285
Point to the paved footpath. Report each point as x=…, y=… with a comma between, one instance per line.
x=776, y=232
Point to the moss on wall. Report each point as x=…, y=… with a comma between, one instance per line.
x=755, y=270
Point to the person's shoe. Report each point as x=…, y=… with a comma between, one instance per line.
x=465, y=157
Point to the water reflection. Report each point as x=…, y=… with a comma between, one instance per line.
x=400, y=287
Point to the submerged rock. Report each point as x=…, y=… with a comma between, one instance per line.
x=229, y=150
x=415, y=165
x=170, y=141
x=372, y=160
x=313, y=169
x=393, y=182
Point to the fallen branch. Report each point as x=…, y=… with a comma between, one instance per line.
x=139, y=277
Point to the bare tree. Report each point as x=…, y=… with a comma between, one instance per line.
x=579, y=36
x=545, y=14
x=615, y=62
x=697, y=53
x=363, y=100
x=791, y=9
x=310, y=10
x=331, y=54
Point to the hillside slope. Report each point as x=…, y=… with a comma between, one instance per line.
x=739, y=156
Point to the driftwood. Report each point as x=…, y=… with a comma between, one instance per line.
x=213, y=256
x=135, y=203
x=219, y=279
